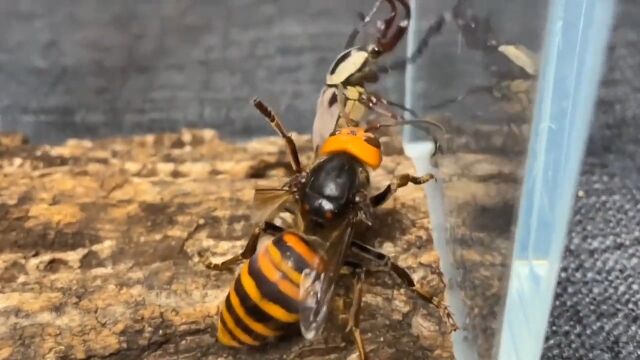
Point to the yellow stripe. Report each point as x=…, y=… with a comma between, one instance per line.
x=295, y=242
x=224, y=338
x=269, y=270
x=242, y=314
x=235, y=330
x=282, y=265
x=267, y=306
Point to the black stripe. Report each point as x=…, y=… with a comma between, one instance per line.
x=254, y=310
x=341, y=58
x=223, y=324
x=269, y=290
x=290, y=255
x=333, y=99
x=241, y=324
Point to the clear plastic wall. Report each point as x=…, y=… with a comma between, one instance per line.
x=515, y=84
x=97, y=69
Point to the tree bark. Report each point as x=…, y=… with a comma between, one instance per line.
x=99, y=243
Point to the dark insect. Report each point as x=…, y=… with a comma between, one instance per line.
x=287, y=284
x=344, y=100
x=513, y=67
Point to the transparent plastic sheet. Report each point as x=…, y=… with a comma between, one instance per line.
x=474, y=209
x=575, y=50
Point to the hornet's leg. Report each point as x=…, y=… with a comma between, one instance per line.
x=398, y=182
x=276, y=123
x=305, y=351
x=354, y=312
x=247, y=252
x=379, y=261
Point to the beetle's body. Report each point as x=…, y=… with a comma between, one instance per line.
x=349, y=63
x=345, y=100
x=328, y=117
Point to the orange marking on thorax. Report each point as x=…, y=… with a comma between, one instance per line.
x=352, y=140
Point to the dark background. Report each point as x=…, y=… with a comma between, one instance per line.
x=92, y=69
x=95, y=68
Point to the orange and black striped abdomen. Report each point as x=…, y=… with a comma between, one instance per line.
x=263, y=300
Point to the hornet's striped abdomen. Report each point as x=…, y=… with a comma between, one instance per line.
x=263, y=300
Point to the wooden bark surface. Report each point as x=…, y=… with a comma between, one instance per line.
x=99, y=242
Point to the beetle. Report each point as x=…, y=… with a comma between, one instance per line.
x=513, y=67
x=344, y=100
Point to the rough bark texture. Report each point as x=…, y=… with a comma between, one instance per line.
x=99, y=242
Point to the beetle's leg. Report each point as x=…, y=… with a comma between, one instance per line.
x=473, y=90
x=398, y=181
x=398, y=105
x=383, y=27
x=247, y=252
x=389, y=20
x=433, y=29
x=477, y=32
x=276, y=123
x=377, y=103
x=364, y=21
x=393, y=40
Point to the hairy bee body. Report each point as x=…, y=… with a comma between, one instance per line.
x=263, y=301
